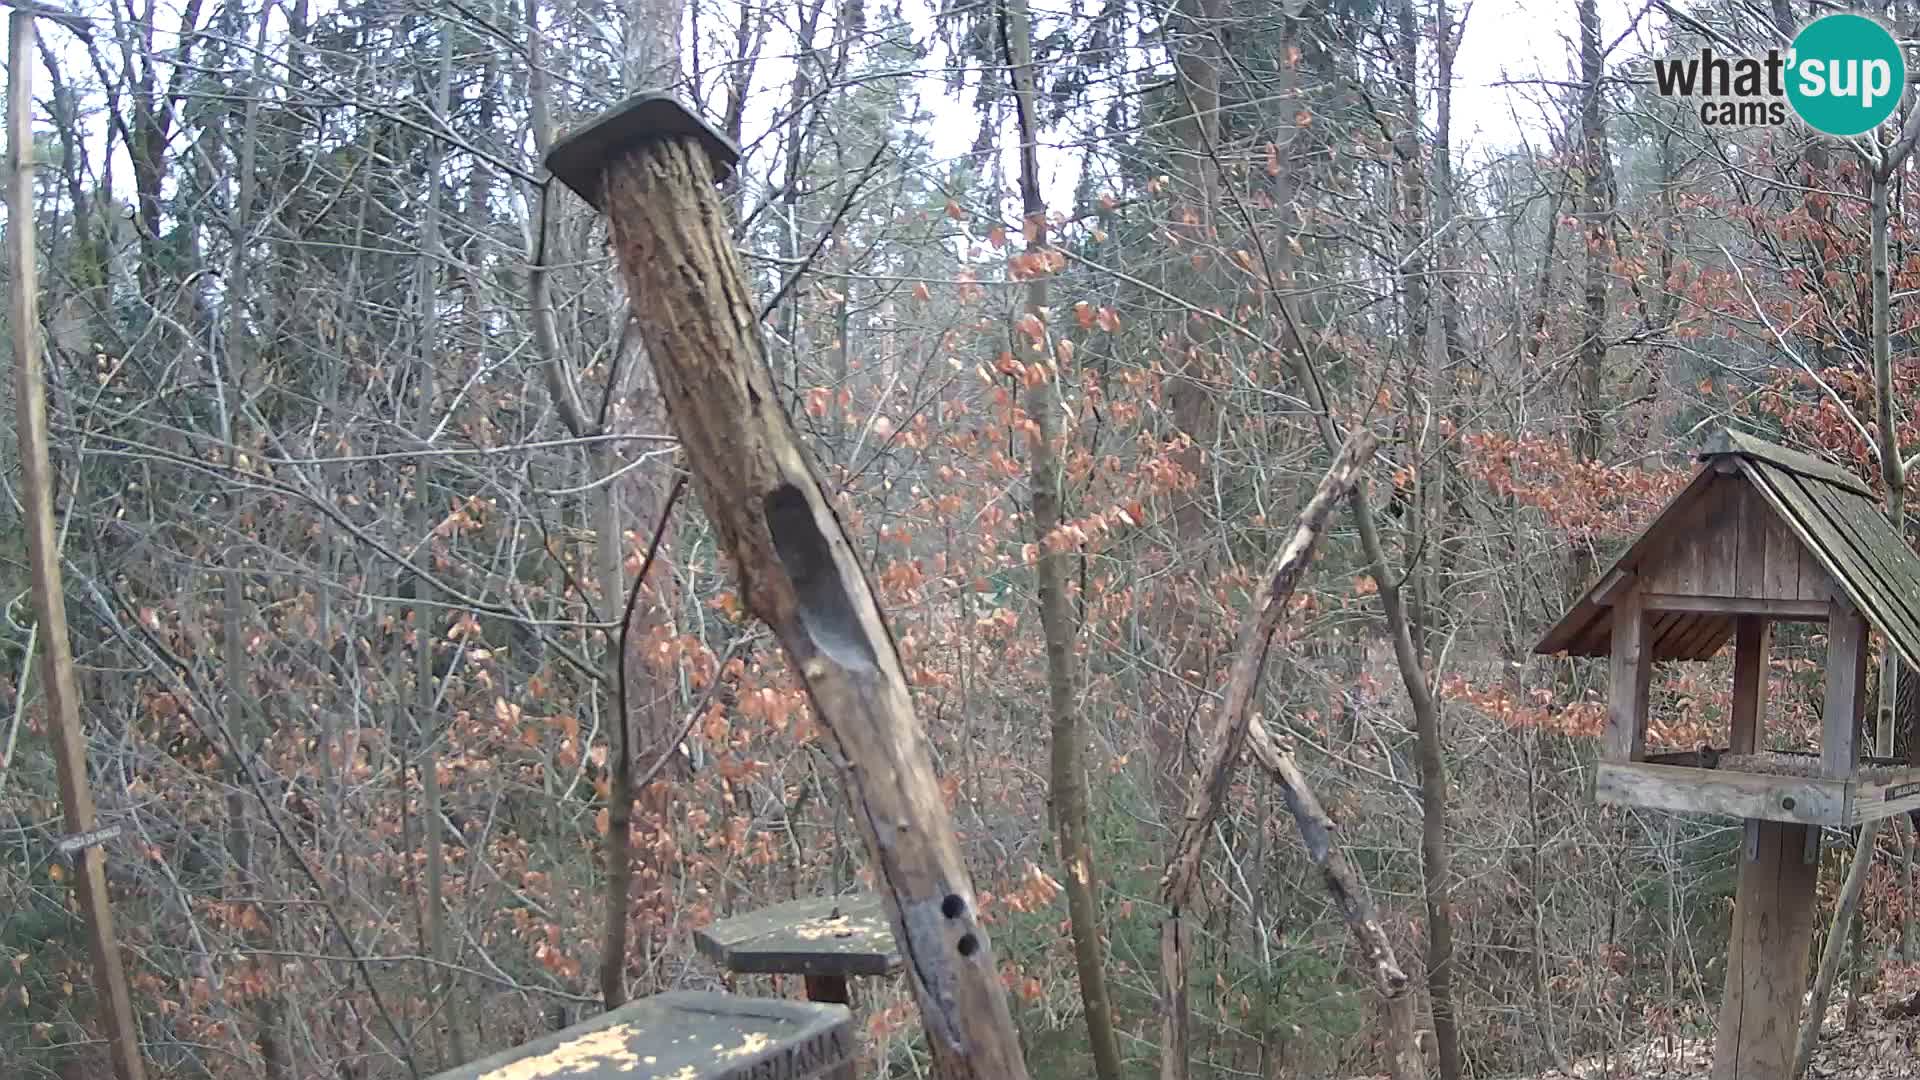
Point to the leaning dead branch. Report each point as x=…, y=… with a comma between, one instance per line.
x=1230, y=726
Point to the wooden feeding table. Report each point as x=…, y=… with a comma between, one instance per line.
x=826, y=941
x=1761, y=535
x=684, y=1035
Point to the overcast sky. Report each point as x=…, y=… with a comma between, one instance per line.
x=1508, y=46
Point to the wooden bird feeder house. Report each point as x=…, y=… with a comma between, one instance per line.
x=1761, y=534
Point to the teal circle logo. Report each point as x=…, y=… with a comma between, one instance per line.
x=1847, y=74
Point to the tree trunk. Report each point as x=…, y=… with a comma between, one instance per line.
x=1343, y=884
x=1068, y=781
x=1904, y=830
x=1595, y=215
x=1194, y=26
x=241, y=737
x=1411, y=197
x=425, y=725
x=1448, y=524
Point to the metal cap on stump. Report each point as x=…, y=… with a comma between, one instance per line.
x=650, y=166
x=581, y=159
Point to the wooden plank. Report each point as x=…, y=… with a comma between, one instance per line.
x=1808, y=800
x=685, y=1035
x=1815, y=583
x=1899, y=795
x=1703, y=638
x=1873, y=592
x=1582, y=631
x=1755, y=521
x=1683, y=562
x=1567, y=632
x=1661, y=629
x=1686, y=636
x=1767, y=958
x=1846, y=683
x=829, y=988
x=1717, y=543
x=1730, y=441
x=1896, y=570
x=1597, y=638
x=1786, y=551
x=1611, y=585
x=1803, y=511
x=1871, y=538
x=1796, y=610
x=830, y=936
x=1631, y=670
x=1753, y=639
x=578, y=160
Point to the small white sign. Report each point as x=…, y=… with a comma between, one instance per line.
x=91, y=838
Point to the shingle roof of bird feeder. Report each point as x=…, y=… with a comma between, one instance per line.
x=1758, y=524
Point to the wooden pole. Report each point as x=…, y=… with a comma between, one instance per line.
x=49, y=605
x=1773, y=905
x=1752, y=643
x=651, y=167
x=1630, y=671
x=1767, y=957
x=831, y=989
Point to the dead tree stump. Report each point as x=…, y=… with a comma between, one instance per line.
x=651, y=167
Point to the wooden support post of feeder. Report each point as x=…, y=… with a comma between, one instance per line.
x=685, y=1035
x=1846, y=671
x=1768, y=948
x=1761, y=534
x=651, y=167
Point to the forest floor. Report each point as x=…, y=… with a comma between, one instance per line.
x=1883, y=1045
